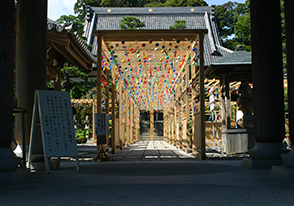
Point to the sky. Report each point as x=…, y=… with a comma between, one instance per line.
x=56, y=8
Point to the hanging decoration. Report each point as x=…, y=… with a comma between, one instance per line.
x=151, y=71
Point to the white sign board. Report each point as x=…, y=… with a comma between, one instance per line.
x=101, y=124
x=53, y=113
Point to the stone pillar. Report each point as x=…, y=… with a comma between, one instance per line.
x=8, y=161
x=31, y=45
x=267, y=75
x=288, y=159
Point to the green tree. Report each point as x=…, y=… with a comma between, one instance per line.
x=179, y=24
x=120, y=3
x=183, y=3
x=243, y=31
x=233, y=21
x=130, y=23
x=68, y=71
x=109, y=3
x=158, y=3
x=225, y=18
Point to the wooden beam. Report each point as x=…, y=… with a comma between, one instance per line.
x=146, y=35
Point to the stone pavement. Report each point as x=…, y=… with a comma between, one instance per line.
x=171, y=178
x=151, y=151
x=154, y=151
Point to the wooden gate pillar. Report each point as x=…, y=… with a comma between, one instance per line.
x=31, y=59
x=8, y=160
x=267, y=76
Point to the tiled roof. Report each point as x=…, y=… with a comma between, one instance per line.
x=160, y=18
x=75, y=52
x=159, y=21
x=234, y=58
x=236, y=65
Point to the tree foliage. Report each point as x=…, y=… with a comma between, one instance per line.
x=76, y=88
x=233, y=21
x=130, y=23
x=182, y=3
x=179, y=24
x=80, y=5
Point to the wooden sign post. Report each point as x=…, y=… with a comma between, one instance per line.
x=101, y=127
x=101, y=131
x=52, y=130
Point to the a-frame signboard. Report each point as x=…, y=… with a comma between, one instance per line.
x=53, y=118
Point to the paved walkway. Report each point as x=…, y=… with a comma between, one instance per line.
x=154, y=151
x=144, y=174
x=151, y=151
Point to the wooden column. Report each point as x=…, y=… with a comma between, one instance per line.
x=170, y=125
x=99, y=79
x=289, y=16
x=136, y=123
x=175, y=122
x=124, y=129
x=223, y=108
x=179, y=120
x=151, y=125
x=120, y=112
x=8, y=160
x=267, y=76
x=99, y=72
x=202, y=100
x=165, y=122
x=288, y=159
x=31, y=59
x=192, y=108
x=113, y=108
x=94, y=110
x=128, y=117
x=267, y=71
x=187, y=110
x=228, y=102
x=107, y=101
x=6, y=72
x=131, y=109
